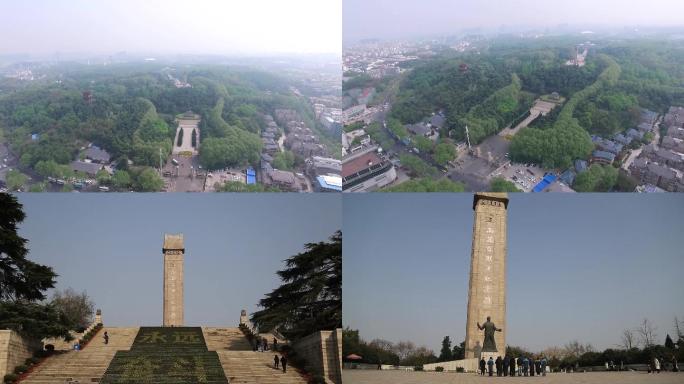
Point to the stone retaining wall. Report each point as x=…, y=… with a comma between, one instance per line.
x=323, y=352
x=14, y=350
x=468, y=365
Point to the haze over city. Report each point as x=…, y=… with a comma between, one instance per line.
x=200, y=27
x=572, y=266
x=388, y=19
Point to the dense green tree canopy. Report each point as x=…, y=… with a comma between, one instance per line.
x=133, y=110
x=310, y=297
x=598, y=178
x=426, y=185
x=499, y=184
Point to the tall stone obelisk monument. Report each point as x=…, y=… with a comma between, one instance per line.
x=487, y=287
x=174, y=251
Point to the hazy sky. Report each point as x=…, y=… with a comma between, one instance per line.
x=415, y=18
x=580, y=267
x=171, y=26
x=110, y=245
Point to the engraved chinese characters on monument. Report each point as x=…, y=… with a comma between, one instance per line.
x=487, y=283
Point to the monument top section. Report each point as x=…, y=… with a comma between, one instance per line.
x=496, y=196
x=173, y=242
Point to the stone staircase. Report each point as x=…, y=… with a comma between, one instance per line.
x=241, y=364
x=87, y=365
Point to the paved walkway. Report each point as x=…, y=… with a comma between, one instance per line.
x=400, y=377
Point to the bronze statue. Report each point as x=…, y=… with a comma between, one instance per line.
x=489, y=345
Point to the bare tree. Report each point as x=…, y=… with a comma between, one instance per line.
x=628, y=339
x=647, y=333
x=554, y=352
x=679, y=332
x=404, y=349
x=77, y=308
x=385, y=345
x=577, y=349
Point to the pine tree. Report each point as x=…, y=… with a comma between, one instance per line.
x=445, y=353
x=668, y=342
x=458, y=352
x=20, y=278
x=310, y=297
x=23, y=283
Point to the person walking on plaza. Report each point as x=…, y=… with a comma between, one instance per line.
x=512, y=363
x=275, y=344
x=543, y=365
x=482, y=366
x=526, y=366
x=106, y=338
x=656, y=364
x=265, y=344
x=506, y=363
x=497, y=364
x=283, y=363
x=276, y=361
x=490, y=365
x=531, y=366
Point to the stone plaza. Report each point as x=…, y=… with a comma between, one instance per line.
x=360, y=376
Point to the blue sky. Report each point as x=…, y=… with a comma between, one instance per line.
x=580, y=267
x=110, y=246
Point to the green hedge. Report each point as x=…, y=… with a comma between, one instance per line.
x=166, y=355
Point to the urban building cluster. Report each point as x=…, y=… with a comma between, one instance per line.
x=661, y=167
x=318, y=171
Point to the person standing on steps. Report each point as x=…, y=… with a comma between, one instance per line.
x=276, y=361
x=482, y=366
x=106, y=338
x=283, y=362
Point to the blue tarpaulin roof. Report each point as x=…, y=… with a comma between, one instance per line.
x=251, y=176
x=330, y=183
x=545, y=182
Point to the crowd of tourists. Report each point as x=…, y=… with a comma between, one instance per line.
x=657, y=363
x=524, y=366
x=513, y=366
